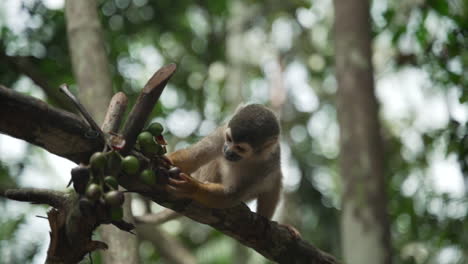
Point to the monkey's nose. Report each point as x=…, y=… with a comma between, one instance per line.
x=231, y=156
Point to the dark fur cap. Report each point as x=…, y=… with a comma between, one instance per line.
x=254, y=124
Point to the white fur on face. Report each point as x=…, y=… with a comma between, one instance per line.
x=242, y=149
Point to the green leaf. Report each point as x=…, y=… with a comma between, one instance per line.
x=421, y=35
x=463, y=97
x=398, y=32
x=441, y=6
x=388, y=15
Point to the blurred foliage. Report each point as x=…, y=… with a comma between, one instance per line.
x=290, y=41
x=427, y=222
x=10, y=225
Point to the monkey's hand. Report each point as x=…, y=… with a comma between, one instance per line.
x=212, y=195
x=183, y=187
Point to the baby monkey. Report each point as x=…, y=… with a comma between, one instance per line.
x=238, y=162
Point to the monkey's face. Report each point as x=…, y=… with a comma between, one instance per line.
x=235, y=151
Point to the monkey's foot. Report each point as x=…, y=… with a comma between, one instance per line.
x=292, y=230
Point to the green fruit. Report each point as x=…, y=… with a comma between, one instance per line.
x=145, y=138
x=114, y=162
x=160, y=150
x=155, y=129
x=98, y=161
x=93, y=192
x=116, y=213
x=85, y=204
x=114, y=198
x=130, y=165
x=111, y=181
x=147, y=143
x=148, y=177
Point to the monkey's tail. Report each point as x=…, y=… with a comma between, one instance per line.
x=157, y=218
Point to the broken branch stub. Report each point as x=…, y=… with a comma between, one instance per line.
x=144, y=105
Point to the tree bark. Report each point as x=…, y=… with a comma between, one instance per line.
x=90, y=65
x=364, y=223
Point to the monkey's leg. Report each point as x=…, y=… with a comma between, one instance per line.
x=267, y=201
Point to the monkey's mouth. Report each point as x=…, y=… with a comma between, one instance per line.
x=231, y=156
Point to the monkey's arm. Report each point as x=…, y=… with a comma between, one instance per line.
x=209, y=194
x=197, y=155
x=267, y=201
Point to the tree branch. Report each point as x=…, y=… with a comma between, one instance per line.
x=38, y=196
x=57, y=131
x=145, y=104
x=26, y=66
x=271, y=239
x=71, y=227
x=115, y=113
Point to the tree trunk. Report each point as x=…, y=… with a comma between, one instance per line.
x=89, y=59
x=235, y=58
x=364, y=224
x=91, y=71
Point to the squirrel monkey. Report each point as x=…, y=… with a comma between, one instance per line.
x=238, y=162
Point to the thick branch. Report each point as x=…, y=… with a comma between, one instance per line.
x=38, y=196
x=57, y=131
x=272, y=240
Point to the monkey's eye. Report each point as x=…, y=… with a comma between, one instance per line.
x=240, y=149
x=228, y=138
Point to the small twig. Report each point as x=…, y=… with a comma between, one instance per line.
x=83, y=111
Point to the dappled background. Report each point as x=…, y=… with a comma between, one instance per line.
x=278, y=53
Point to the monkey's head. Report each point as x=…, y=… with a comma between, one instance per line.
x=252, y=131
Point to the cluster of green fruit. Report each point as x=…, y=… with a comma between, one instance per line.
x=151, y=141
x=98, y=182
